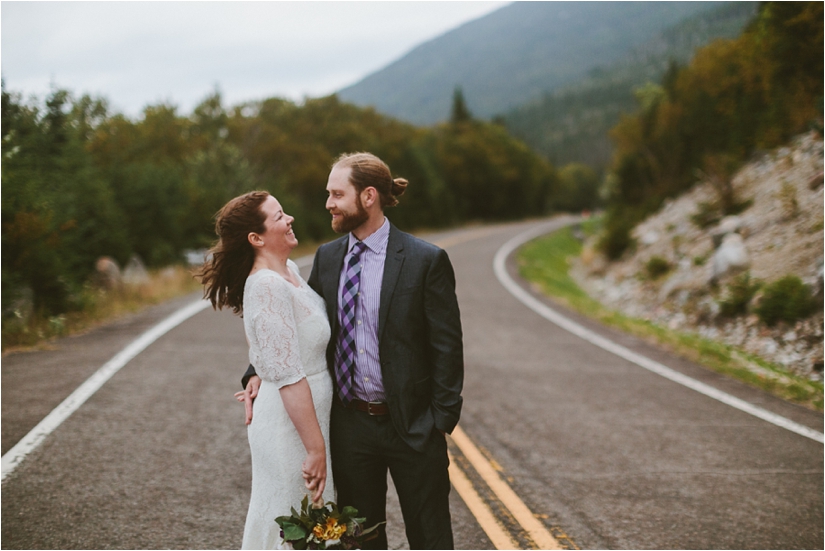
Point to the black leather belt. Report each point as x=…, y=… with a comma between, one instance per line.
x=372, y=408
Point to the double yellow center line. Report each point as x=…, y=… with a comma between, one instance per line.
x=491, y=525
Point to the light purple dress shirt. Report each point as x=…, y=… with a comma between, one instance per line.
x=368, y=383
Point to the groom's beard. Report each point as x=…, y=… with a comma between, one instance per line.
x=349, y=221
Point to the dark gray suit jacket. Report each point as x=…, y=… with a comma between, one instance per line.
x=419, y=332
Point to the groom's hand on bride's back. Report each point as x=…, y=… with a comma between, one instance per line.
x=247, y=396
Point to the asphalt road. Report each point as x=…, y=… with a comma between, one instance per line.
x=601, y=450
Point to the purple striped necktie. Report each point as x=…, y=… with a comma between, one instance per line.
x=345, y=348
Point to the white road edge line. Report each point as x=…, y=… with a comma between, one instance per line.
x=499, y=266
x=32, y=440
x=29, y=443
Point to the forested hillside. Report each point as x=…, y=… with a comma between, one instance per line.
x=79, y=182
x=704, y=120
x=571, y=124
x=514, y=55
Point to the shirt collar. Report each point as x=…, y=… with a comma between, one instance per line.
x=377, y=242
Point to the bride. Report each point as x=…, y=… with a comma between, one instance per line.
x=287, y=329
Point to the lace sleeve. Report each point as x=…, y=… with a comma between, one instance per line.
x=277, y=333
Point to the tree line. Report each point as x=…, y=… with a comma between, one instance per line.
x=703, y=120
x=80, y=182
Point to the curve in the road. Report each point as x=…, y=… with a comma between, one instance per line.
x=500, y=268
x=16, y=455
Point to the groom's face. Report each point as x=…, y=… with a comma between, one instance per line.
x=344, y=202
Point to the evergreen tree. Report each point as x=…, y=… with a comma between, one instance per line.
x=459, y=113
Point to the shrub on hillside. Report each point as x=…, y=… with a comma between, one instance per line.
x=787, y=299
x=656, y=267
x=616, y=238
x=740, y=292
x=706, y=215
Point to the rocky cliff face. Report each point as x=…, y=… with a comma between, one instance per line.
x=779, y=234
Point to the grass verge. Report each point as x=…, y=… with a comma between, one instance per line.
x=97, y=306
x=545, y=262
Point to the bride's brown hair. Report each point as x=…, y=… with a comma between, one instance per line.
x=224, y=273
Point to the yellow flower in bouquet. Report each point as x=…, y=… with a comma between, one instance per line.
x=331, y=531
x=325, y=527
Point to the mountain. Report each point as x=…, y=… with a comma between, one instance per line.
x=513, y=55
x=571, y=123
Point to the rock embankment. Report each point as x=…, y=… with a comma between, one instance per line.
x=779, y=234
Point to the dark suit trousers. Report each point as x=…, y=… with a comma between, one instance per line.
x=363, y=447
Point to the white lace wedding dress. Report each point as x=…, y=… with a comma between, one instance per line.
x=288, y=331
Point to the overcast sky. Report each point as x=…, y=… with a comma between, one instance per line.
x=139, y=53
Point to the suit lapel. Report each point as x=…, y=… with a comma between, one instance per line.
x=330, y=276
x=392, y=268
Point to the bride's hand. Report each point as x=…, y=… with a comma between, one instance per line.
x=248, y=395
x=315, y=474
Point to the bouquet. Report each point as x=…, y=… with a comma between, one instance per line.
x=325, y=527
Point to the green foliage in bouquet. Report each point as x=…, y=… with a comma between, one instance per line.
x=325, y=527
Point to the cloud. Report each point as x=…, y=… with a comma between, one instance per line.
x=136, y=53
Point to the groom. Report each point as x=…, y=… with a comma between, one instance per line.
x=395, y=354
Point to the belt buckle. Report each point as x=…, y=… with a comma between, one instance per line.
x=369, y=407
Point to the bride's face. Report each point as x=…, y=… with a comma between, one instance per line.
x=278, y=234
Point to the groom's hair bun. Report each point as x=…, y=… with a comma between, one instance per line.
x=399, y=186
